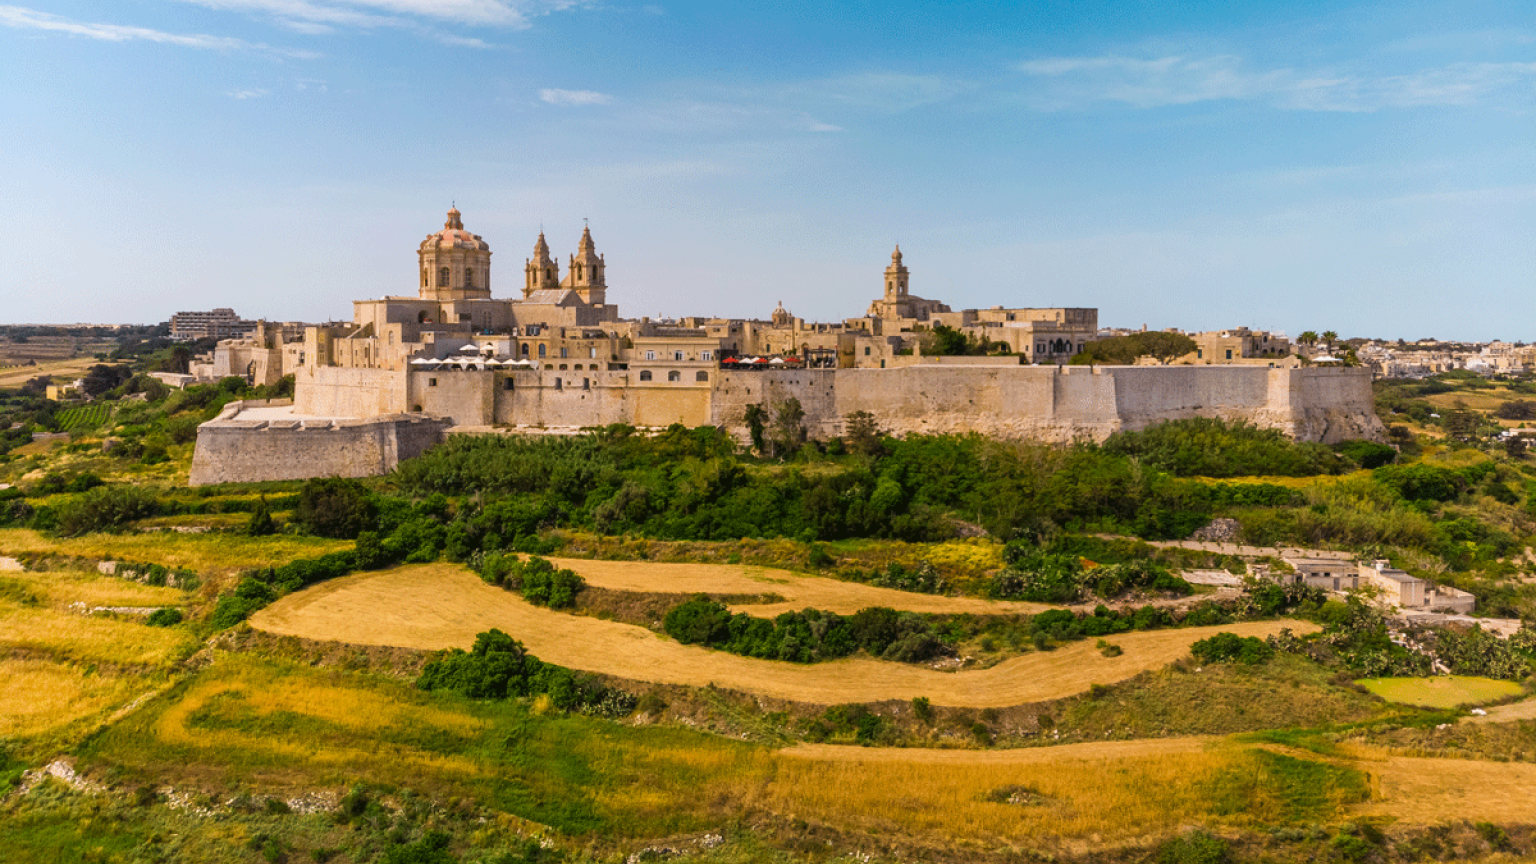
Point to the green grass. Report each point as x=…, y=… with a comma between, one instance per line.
x=1300, y=790
x=251, y=721
x=1443, y=691
x=1221, y=699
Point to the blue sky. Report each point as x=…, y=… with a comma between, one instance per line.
x=1363, y=167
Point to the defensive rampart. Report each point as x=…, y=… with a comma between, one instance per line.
x=1062, y=403
x=235, y=450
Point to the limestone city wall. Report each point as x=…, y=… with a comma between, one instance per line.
x=231, y=450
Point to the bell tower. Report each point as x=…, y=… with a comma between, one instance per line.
x=541, y=271
x=585, y=273
x=896, y=278
x=454, y=264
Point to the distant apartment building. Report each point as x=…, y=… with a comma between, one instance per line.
x=217, y=324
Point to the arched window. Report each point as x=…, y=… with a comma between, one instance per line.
x=701, y=375
x=645, y=375
x=423, y=277
x=442, y=278
x=421, y=317
x=674, y=375
x=525, y=349
x=469, y=277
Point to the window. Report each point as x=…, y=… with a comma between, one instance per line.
x=650, y=355
x=564, y=352
x=706, y=355
x=525, y=349
x=1229, y=353
x=645, y=375
x=701, y=375
x=586, y=383
x=442, y=278
x=1199, y=353
x=469, y=277
x=423, y=277
x=674, y=375
x=866, y=350
x=541, y=350
x=1039, y=347
x=677, y=355
x=559, y=385
x=592, y=353
x=562, y=367
x=506, y=384
x=431, y=382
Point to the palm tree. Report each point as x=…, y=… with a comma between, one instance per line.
x=1329, y=337
x=1308, y=338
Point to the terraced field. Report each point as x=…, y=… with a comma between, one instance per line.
x=798, y=591
x=438, y=606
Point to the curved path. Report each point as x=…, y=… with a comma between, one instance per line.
x=438, y=606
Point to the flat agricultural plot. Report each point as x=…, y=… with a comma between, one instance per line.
x=439, y=606
x=40, y=696
x=1438, y=790
x=799, y=592
x=200, y=552
x=1443, y=691
x=59, y=369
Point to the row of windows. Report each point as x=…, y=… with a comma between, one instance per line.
x=680, y=356
x=674, y=375
x=507, y=384
x=444, y=274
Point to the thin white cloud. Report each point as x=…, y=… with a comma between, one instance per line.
x=29, y=19
x=513, y=14
x=253, y=93
x=556, y=96
x=1076, y=82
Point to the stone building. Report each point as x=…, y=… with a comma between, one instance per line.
x=560, y=355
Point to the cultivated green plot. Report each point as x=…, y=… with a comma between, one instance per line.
x=1445, y=691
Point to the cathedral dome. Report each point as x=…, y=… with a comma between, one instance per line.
x=453, y=236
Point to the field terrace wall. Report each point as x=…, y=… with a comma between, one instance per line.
x=231, y=450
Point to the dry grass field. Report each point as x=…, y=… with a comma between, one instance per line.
x=62, y=671
x=798, y=591
x=63, y=371
x=43, y=697
x=206, y=553
x=439, y=606
x=1095, y=792
x=1429, y=791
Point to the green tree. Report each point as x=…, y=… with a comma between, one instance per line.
x=787, y=431
x=757, y=421
x=1329, y=337
x=260, y=524
x=862, y=433
x=1124, y=350
x=334, y=507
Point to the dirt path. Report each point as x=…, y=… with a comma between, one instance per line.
x=800, y=592
x=443, y=606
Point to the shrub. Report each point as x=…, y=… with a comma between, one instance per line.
x=105, y=508
x=166, y=617
x=1250, y=650
x=334, y=507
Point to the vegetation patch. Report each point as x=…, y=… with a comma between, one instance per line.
x=1441, y=691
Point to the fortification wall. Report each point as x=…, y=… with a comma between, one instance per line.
x=1061, y=403
x=231, y=450
x=338, y=391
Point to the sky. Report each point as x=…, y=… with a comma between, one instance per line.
x=1368, y=168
